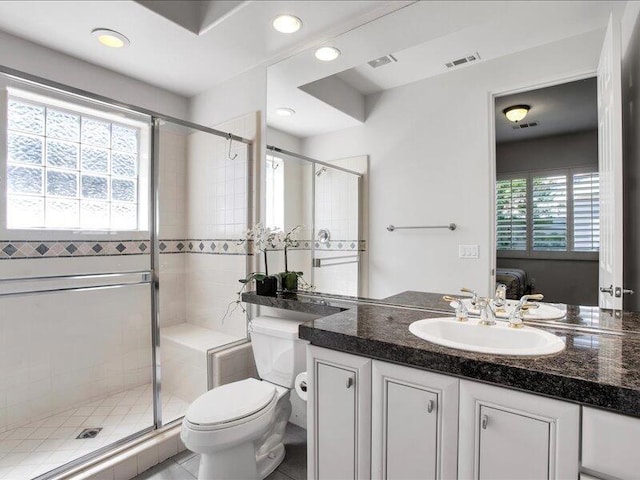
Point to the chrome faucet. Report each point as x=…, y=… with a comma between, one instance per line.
x=462, y=313
x=487, y=315
x=517, y=314
x=474, y=295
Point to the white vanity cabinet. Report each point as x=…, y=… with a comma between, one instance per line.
x=414, y=431
x=506, y=434
x=339, y=415
x=610, y=444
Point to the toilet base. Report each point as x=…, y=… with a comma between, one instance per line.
x=231, y=464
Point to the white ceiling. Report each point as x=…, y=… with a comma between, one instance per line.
x=570, y=107
x=184, y=46
x=423, y=37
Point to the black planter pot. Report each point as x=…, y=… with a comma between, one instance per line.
x=267, y=287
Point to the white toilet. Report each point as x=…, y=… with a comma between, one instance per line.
x=238, y=428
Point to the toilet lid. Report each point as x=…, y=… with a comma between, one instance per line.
x=230, y=402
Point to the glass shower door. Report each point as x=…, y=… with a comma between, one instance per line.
x=336, y=249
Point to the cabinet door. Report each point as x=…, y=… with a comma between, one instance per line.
x=339, y=415
x=512, y=446
x=506, y=434
x=414, y=423
x=336, y=418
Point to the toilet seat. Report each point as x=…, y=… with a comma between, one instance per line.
x=231, y=404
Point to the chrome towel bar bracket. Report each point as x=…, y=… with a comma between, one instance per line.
x=451, y=226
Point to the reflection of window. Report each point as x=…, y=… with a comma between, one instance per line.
x=70, y=170
x=541, y=212
x=274, y=192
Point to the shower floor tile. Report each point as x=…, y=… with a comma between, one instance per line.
x=38, y=447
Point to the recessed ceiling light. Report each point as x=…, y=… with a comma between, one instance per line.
x=287, y=23
x=285, y=112
x=327, y=54
x=110, y=38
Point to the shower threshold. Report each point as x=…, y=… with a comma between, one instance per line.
x=38, y=447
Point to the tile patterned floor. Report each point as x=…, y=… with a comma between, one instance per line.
x=38, y=447
x=184, y=466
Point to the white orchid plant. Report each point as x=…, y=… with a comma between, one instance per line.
x=265, y=239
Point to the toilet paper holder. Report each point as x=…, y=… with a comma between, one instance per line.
x=303, y=386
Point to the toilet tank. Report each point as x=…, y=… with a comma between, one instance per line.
x=279, y=354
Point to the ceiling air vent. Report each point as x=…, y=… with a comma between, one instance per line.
x=379, y=62
x=461, y=61
x=525, y=125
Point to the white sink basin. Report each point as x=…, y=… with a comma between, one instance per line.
x=545, y=311
x=498, y=339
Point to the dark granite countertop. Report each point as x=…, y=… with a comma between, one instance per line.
x=599, y=367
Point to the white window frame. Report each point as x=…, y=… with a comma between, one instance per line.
x=275, y=212
x=529, y=253
x=85, y=107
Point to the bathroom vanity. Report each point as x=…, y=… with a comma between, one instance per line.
x=384, y=403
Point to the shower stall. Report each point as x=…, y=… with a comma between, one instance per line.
x=325, y=199
x=120, y=253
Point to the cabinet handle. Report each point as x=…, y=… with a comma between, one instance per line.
x=485, y=421
x=430, y=406
x=349, y=382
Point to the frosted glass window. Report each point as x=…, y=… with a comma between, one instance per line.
x=124, y=139
x=95, y=159
x=95, y=187
x=62, y=184
x=62, y=213
x=62, y=154
x=123, y=216
x=63, y=125
x=24, y=180
x=24, y=117
x=123, y=190
x=25, y=212
x=68, y=171
x=94, y=214
x=123, y=164
x=24, y=148
x=96, y=132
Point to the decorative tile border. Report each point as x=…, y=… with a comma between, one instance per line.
x=29, y=249
x=206, y=246
x=334, y=245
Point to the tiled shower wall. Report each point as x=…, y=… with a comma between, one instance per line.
x=217, y=209
x=173, y=222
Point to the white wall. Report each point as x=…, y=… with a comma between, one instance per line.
x=428, y=144
x=34, y=59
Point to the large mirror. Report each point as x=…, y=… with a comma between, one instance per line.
x=414, y=117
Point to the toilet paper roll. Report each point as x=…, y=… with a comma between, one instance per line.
x=301, y=385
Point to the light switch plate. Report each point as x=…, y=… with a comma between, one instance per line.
x=468, y=251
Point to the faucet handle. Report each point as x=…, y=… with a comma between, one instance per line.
x=474, y=297
x=462, y=313
x=533, y=296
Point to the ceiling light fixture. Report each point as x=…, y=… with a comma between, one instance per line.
x=327, y=54
x=287, y=23
x=285, y=112
x=515, y=113
x=110, y=38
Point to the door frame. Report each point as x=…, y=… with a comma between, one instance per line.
x=520, y=87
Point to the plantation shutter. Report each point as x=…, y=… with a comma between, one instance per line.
x=549, y=213
x=586, y=212
x=511, y=214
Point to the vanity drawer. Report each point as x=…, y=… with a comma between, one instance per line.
x=610, y=443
